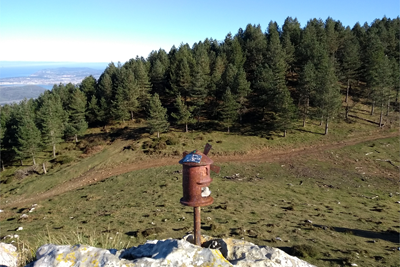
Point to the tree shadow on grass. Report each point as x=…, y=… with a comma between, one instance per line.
x=306, y=131
x=387, y=236
x=356, y=117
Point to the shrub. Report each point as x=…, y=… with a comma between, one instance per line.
x=304, y=251
x=147, y=144
x=159, y=145
x=9, y=180
x=64, y=159
x=154, y=146
x=172, y=141
x=22, y=173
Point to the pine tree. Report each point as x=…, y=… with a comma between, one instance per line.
x=307, y=88
x=158, y=77
x=282, y=103
x=6, y=151
x=27, y=135
x=182, y=64
x=119, y=107
x=77, y=124
x=52, y=119
x=125, y=100
x=233, y=51
x=218, y=68
x=92, y=111
x=385, y=83
x=88, y=87
x=255, y=45
x=396, y=79
x=262, y=91
x=241, y=89
x=181, y=79
x=159, y=64
x=327, y=97
x=104, y=92
x=349, y=59
x=229, y=109
x=290, y=39
x=198, y=92
x=143, y=83
x=157, y=117
x=374, y=56
x=184, y=114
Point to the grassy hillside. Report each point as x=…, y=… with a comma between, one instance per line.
x=332, y=200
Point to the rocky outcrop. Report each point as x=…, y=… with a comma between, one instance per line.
x=8, y=255
x=169, y=252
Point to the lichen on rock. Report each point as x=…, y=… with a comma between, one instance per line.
x=168, y=252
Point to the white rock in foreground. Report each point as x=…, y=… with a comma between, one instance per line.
x=169, y=252
x=50, y=255
x=243, y=253
x=8, y=255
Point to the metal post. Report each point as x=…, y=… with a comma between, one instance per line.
x=197, y=223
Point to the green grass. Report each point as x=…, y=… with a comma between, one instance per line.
x=349, y=223
x=344, y=192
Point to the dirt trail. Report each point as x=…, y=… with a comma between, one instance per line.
x=267, y=155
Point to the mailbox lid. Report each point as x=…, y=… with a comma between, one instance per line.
x=195, y=158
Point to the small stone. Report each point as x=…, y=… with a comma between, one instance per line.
x=24, y=216
x=278, y=238
x=354, y=264
x=19, y=228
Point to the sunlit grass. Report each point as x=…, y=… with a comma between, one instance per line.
x=353, y=210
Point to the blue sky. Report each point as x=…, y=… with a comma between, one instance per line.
x=105, y=30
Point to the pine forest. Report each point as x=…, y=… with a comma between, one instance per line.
x=253, y=81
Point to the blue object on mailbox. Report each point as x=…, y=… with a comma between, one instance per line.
x=196, y=158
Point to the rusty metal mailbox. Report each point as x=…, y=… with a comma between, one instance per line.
x=195, y=183
x=196, y=180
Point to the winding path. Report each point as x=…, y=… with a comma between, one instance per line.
x=266, y=155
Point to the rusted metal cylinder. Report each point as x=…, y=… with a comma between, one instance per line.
x=195, y=178
x=197, y=226
x=195, y=181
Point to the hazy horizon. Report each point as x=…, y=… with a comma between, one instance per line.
x=14, y=69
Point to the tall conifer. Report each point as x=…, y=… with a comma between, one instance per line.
x=157, y=117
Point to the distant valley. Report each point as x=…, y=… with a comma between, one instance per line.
x=15, y=89
x=53, y=76
x=11, y=94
